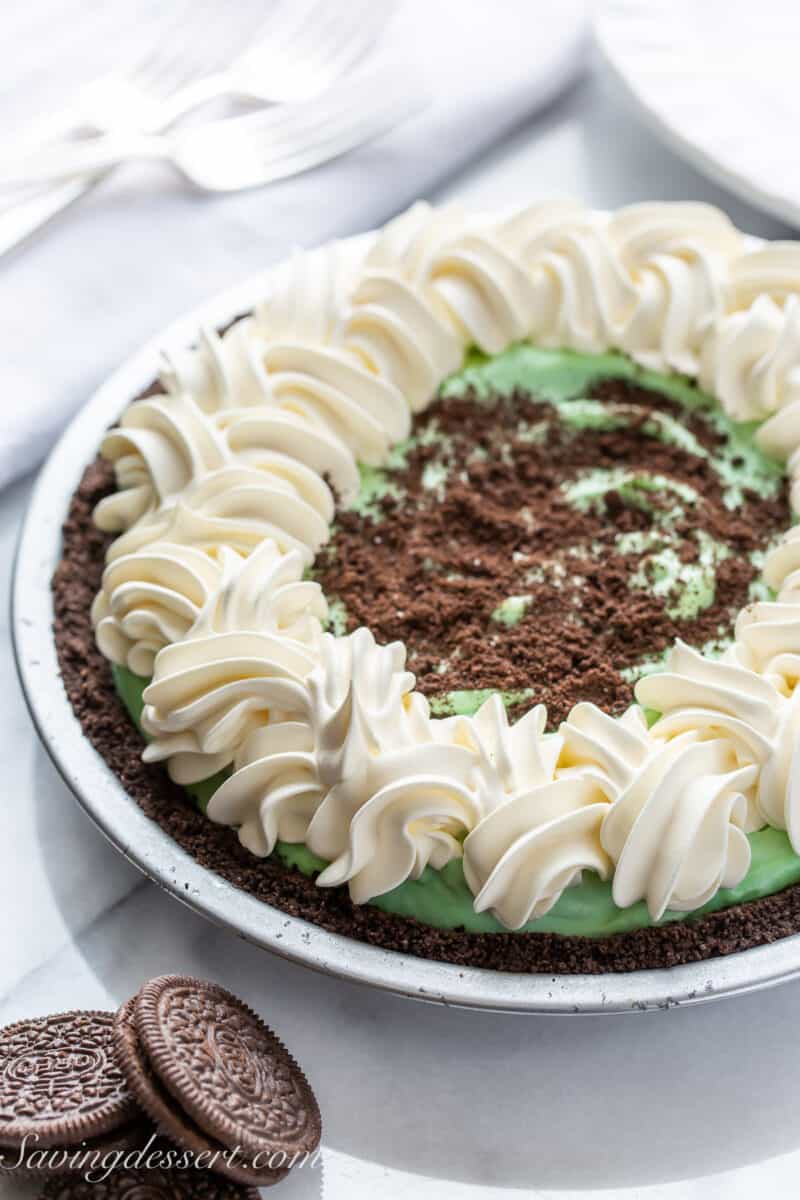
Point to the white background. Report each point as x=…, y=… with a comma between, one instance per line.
x=417, y=1100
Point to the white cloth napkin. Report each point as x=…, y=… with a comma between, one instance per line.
x=144, y=247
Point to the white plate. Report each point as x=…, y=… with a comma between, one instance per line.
x=717, y=80
x=101, y=794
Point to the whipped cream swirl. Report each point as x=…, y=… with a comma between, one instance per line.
x=676, y=834
x=162, y=444
x=608, y=751
x=768, y=632
x=396, y=801
x=160, y=594
x=292, y=358
x=274, y=790
x=539, y=833
x=236, y=507
x=241, y=666
x=265, y=593
x=149, y=599
x=725, y=701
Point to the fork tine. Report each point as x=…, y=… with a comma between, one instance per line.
x=264, y=147
x=205, y=45
x=290, y=123
x=328, y=44
x=299, y=145
x=351, y=38
x=295, y=27
x=333, y=142
x=284, y=40
x=325, y=41
x=381, y=89
x=201, y=38
x=290, y=120
x=157, y=60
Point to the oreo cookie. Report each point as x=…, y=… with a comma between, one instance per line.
x=60, y=1082
x=150, y=1185
x=216, y=1080
x=174, y=1126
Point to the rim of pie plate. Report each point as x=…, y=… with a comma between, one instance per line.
x=226, y=487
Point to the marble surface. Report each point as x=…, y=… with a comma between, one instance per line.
x=420, y=1100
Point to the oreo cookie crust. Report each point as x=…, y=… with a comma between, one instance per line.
x=60, y=1083
x=150, y=1185
x=89, y=685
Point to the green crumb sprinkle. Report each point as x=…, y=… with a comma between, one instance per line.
x=532, y=432
x=512, y=610
x=714, y=648
x=592, y=486
x=758, y=589
x=465, y=703
x=434, y=478
x=376, y=485
x=583, y=414
x=646, y=666
x=692, y=585
x=337, y=617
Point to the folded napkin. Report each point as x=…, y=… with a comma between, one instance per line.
x=143, y=247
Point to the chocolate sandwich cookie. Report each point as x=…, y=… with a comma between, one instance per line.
x=150, y=1185
x=60, y=1083
x=216, y=1080
x=173, y=1124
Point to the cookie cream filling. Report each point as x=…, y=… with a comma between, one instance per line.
x=326, y=739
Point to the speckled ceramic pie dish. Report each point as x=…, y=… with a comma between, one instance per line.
x=543, y=350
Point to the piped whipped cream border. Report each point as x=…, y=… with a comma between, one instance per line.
x=226, y=491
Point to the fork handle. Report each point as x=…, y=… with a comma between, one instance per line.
x=21, y=221
x=61, y=162
x=51, y=127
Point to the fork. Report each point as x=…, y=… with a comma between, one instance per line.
x=242, y=152
x=302, y=50
x=297, y=62
x=198, y=41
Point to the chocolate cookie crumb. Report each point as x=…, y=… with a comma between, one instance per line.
x=433, y=562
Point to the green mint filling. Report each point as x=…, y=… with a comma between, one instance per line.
x=442, y=898
x=130, y=688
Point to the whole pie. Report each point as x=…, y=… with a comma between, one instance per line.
x=451, y=598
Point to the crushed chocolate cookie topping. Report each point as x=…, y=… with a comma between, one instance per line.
x=511, y=549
